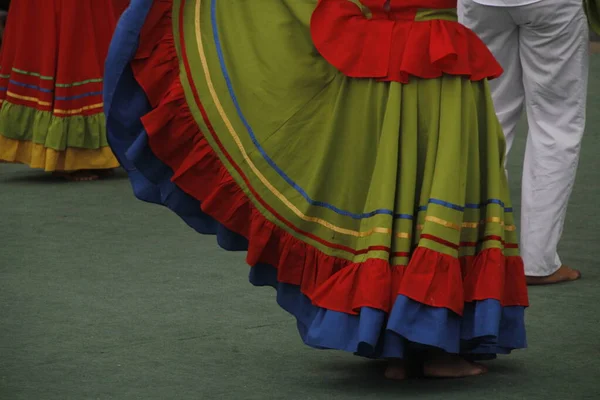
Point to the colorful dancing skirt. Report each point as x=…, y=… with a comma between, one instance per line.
x=350, y=148
x=51, y=70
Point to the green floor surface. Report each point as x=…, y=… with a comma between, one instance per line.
x=105, y=297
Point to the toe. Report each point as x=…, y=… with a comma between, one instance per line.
x=563, y=274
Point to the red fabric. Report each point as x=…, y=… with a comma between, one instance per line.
x=119, y=6
x=66, y=40
x=431, y=278
x=391, y=46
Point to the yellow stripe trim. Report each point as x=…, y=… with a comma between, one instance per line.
x=29, y=98
x=491, y=220
x=78, y=110
x=253, y=167
x=48, y=104
x=260, y=176
x=442, y=222
x=467, y=225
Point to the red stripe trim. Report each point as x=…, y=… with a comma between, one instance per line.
x=439, y=240
x=238, y=169
x=256, y=194
x=329, y=281
x=488, y=239
x=469, y=244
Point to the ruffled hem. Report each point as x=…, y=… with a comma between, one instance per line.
x=485, y=328
x=170, y=162
x=28, y=124
x=71, y=159
x=396, y=49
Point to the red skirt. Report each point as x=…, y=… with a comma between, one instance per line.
x=51, y=79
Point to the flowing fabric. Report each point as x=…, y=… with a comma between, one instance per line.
x=360, y=168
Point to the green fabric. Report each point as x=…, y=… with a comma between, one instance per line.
x=360, y=145
x=592, y=10
x=80, y=307
x=446, y=14
x=42, y=127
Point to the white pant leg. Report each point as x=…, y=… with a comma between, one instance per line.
x=498, y=30
x=554, y=55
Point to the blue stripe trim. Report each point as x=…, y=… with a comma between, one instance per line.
x=496, y=201
x=271, y=163
x=446, y=204
x=468, y=205
x=25, y=85
x=39, y=89
x=79, y=96
x=285, y=177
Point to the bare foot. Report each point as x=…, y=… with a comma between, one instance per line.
x=444, y=365
x=396, y=370
x=563, y=274
x=77, y=176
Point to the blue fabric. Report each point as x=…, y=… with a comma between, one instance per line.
x=485, y=329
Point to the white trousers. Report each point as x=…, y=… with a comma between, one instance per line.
x=544, y=50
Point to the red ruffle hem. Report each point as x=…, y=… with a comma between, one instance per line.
x=333, y=283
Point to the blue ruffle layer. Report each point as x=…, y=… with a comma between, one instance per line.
x=485, y=329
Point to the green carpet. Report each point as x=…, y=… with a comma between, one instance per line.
x=105, y=297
